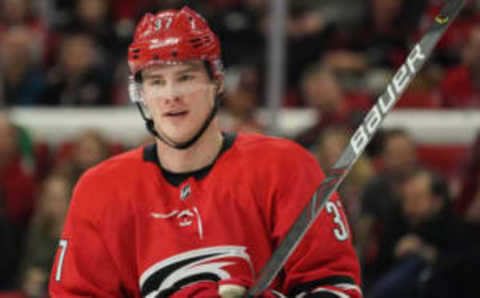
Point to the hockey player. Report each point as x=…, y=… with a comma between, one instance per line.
x=198, y=213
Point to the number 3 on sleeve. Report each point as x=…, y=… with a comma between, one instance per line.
x=340, y=232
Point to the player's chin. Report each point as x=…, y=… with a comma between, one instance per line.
x=178, y=135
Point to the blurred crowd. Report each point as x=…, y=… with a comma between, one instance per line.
x=73, y=53
x=414, y=210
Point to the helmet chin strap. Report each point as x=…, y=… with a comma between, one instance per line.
x=185, y=145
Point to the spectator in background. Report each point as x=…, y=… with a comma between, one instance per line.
x=16, y=189
x=44, y=235
x=344, y=61
x=94, y=18
x=241, y=100
x=455, y=273
x=21, y=80
x=18, y=13
x=241, y=107
x=309, y=35
x=128, y=10
x=461, y=86
x=120, y=94
x=331, y=144
x=382, y=37
x=16, y=181
x=415, y=235
x=237, y=24
x=89, y=149
x=322, y=92
x=467, y=204
x=79, y=78
x=398, y=157
x=24, y=13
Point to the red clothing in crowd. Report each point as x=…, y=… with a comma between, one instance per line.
x=16, y=189
x=459, y=90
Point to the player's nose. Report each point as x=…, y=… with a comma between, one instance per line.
x=171, y=93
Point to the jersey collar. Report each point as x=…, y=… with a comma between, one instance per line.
x=150, y=155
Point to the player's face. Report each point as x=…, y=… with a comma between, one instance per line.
x=179, y=98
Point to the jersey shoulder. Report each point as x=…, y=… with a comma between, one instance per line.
x=273, y=149
x=116, y=166
x=100, y=186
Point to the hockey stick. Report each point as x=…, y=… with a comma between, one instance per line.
x=362, y=136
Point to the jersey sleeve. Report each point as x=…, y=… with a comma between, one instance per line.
x=83, y=267
x=325, y=263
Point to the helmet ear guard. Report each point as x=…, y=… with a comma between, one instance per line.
x=134, y=91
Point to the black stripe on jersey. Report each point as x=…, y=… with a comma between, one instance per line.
x=187, y=281
x=328, y=281
x=321, y=295
x=155, y=280
x=195, y=278
x=150, y=154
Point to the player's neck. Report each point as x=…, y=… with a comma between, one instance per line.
x=201, y=154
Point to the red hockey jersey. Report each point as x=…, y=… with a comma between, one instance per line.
x=136, y=230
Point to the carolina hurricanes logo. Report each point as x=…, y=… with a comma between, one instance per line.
x=202, y=264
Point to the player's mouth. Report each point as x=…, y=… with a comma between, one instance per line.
x=176, y=114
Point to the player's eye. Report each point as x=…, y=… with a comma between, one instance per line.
x=156, y=82
x=186, y=77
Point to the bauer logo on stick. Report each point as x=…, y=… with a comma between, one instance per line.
x=385, y=103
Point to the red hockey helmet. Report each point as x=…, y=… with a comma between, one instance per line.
x=174, y=36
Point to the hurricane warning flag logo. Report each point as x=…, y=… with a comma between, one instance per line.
x=206, y=264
